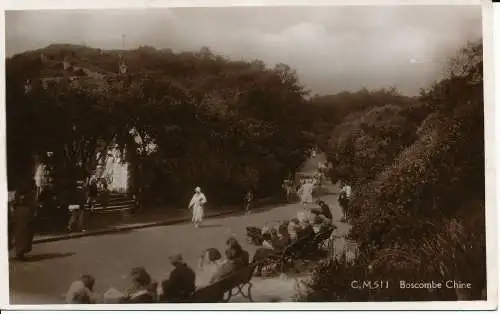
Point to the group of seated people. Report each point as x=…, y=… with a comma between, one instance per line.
x=178, y=288
x=183, y=281
x=273, y=241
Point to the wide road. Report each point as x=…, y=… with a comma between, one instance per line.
x=54, y=265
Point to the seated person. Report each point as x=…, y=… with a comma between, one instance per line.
x=283, y=230
x=266, y=231
x=306, y=229
x=180, y=285
x=325, y=209
x=305, y=215
x=242, y=256
x=228, y=266
x=209, y=265
x=280, y=240
x=254, y=235
x=273, y=232
x=143, y=289
x=267, y=243
x=263, y=253
x=294, y=229
x=316, y=212
x=320, y=225
x=81, y=291
x=271, y=247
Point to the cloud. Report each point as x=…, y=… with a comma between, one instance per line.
x=332, y=48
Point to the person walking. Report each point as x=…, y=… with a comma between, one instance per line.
x=305, y=193
x=76, y=207
x=24, y=214
x=196, y=205
x=288, y=187
x=344, y=200
x=248, y=202
x=93, y=193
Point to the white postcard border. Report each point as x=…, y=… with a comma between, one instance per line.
x=491, y=152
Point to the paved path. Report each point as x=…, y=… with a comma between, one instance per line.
x=53, y=265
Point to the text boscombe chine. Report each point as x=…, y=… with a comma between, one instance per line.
x=448, y=284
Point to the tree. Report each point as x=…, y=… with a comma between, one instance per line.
x=212, y=121
x=424, y=212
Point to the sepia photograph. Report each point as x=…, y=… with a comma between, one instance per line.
x=189, y=155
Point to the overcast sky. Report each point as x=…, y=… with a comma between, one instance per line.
x=332, y=48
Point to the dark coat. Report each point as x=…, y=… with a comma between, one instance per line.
x=325, y=211
x=180, y=285
x=24, y=223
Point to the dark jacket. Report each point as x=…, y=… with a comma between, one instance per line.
x=306, y=232
x=325, y=211
x=180, y=285
x=93, y=190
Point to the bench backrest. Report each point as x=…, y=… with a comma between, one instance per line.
x=298, y=245
x=323, y=236
x=304, y=243
x=215, y=291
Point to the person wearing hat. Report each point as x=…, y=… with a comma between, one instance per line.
x=242, y=257
x=196, y=205
x=180, y=285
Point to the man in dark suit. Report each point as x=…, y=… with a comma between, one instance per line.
x=180, y=285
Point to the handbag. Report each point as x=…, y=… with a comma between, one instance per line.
x=72, y=208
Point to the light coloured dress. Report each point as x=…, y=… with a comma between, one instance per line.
x=305, y=193
x=207, y=273
x=196, y=204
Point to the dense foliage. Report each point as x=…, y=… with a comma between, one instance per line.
x=418, y=211
x=183, y=119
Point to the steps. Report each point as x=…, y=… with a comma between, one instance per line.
x=117, y=202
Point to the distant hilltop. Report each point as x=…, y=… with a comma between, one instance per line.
x=60, y=60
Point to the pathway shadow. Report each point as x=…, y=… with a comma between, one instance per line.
x=43, y=256
x=210, y=225
x=119, y=232
x=269, y=207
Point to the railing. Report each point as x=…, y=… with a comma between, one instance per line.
x=339, y=247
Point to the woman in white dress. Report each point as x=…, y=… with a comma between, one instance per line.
x=305, y=193
x=196, y=205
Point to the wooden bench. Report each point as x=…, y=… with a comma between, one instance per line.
x=223, y=290
x=304, y=248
